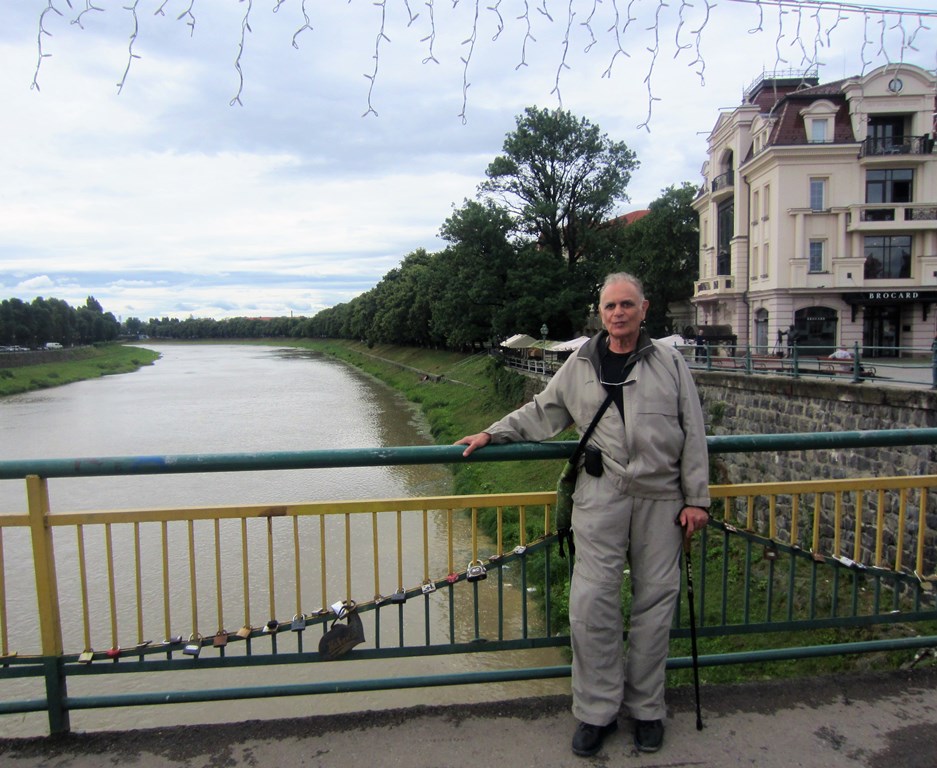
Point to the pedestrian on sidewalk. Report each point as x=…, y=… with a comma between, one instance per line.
x=643, y=487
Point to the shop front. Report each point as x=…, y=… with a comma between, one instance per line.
x=889, y=319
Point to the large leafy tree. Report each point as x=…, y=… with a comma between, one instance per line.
x=662, y=250
x=471, y=274
x=560, y=178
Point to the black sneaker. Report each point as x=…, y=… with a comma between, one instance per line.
x=648, y=735
x=588, y=738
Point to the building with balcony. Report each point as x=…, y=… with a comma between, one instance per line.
x=819, y=213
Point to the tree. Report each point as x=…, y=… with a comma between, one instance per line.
x=662, y=250
x=471, y=275
x=560, y=178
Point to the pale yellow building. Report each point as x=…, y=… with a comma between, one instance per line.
x=819, y=213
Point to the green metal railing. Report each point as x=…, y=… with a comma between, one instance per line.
x=253, y=585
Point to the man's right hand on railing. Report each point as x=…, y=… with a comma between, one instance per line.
x=472, y=442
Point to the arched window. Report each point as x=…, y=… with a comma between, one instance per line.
x=761, y=331
x=816, y=330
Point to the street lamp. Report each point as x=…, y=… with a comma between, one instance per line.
x=543, y=347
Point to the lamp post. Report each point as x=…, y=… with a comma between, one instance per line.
x=543, y=347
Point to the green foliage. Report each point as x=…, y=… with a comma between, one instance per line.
x=531, y=251
x=662, y=249
x=43, y=320
x=560, y=178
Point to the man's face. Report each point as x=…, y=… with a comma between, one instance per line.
x=622, y=310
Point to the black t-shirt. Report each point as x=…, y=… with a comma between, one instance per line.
x=614, y=369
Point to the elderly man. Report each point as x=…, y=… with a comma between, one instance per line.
x=647, y=477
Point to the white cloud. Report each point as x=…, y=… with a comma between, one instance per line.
x=165, y=200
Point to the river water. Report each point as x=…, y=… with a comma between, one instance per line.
x=216, y=398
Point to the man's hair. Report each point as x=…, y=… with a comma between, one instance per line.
x=627, y=277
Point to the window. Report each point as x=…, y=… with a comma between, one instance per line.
x=725, y=226
x=891, y=185
x=818, y=131
x=817, y=194
x=766, y=200
x=755, y=207
x=765, y=263
x=888, y=257
x=817, y=249
x=755, y=262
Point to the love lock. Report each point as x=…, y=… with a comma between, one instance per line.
x=400, y=596
x=299, y=623
x=194, y=646
x=427, y=587
x=452, y=578
x=476, y=571
x=244, y=632
x=113, y=653
x=271, y=626
x=85, y=657
x=221, y=638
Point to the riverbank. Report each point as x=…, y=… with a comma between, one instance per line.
x=66, y=366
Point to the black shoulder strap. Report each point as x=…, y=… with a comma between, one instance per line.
x=591, y=428
x=588, y=433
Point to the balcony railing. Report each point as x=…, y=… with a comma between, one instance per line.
x=724, y=181
x=897, y=145
x=903, y=212
x=717, y=284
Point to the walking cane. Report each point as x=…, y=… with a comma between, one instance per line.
x=691, y=600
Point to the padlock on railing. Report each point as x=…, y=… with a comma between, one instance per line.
x=476, y=571
x=113, y=653
x=400, y=596
x=221, y=638
x=299, y=623
x=271, y=626
x=85, y=657
x=245, y=632
x=194, y=646
x=427, y=587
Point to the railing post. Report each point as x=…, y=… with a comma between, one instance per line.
x=47, y=594
x=795, y=369
x=856, y=364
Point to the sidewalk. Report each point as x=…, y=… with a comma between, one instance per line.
x=880, y=720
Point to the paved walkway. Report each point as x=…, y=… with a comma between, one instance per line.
x=886, y=720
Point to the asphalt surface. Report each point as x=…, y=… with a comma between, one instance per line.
x=881, y=720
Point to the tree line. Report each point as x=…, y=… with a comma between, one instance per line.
x=530, y=250
x=34, y=324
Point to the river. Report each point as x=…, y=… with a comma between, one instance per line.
x=216, y=398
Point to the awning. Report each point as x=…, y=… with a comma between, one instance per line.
x=519, y=341
x=674, y=340
x=568, y=346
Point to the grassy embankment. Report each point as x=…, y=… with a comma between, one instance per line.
x=473, y=393
x=73, y=365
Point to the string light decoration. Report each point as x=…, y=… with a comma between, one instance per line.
x=803, y=31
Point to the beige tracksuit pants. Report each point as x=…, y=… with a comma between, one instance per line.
x=614, y=532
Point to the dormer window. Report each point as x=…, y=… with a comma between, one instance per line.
x=819, y=131
x=818, y=121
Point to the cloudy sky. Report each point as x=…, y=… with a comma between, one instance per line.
x=191, y=192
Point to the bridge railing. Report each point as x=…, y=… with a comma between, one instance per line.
x=217, y=587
